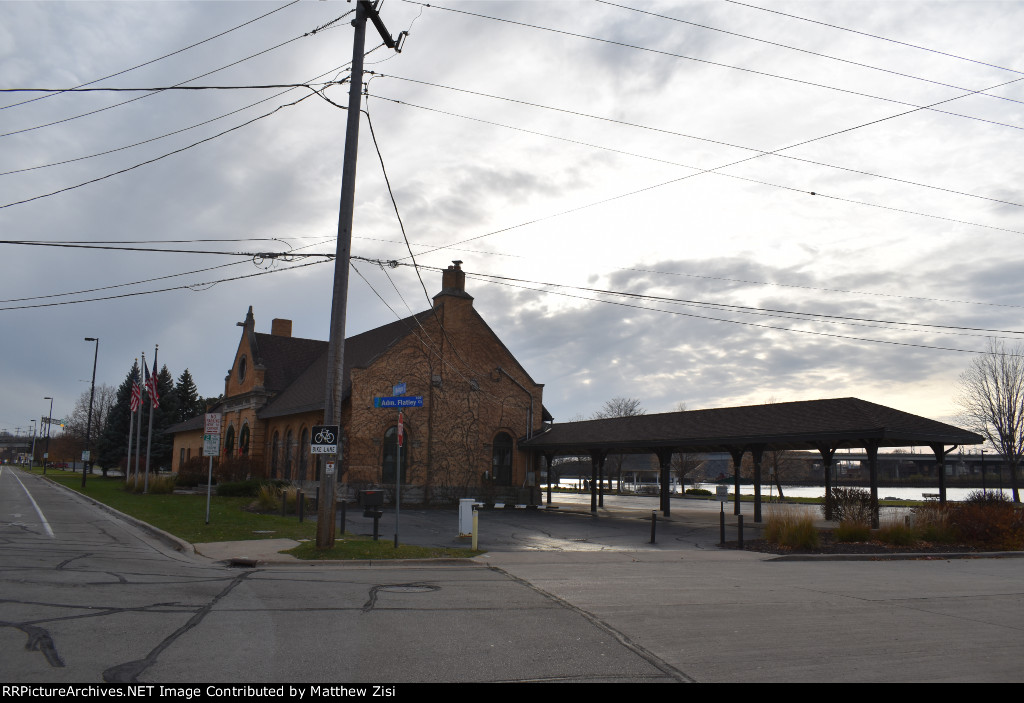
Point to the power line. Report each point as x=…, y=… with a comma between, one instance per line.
x=740, y=322
x=156, y=89
x=736, y=68
x=191, y=286
x=158, y=158
x=83, y=245
x=120, y=285
x=794, y=314
x=160, y=58
x=876, y=36
x=141, y=97
x=804, y=51
x=177, y=131
x=689, y=136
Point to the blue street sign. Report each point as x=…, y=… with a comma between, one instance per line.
x=398, y=389
x=411, y=401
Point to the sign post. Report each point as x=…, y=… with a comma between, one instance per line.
x=211, y=448
x=398, y=401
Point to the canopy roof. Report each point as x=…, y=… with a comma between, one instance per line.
x=809, y=424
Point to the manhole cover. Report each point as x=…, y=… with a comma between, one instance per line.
x=408, y=588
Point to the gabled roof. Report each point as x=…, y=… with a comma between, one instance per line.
x=307, y=391
x=284, y=358
x=794, y=425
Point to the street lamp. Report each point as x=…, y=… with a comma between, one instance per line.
x=32, y=456
x=87, y=463
x=49, y=421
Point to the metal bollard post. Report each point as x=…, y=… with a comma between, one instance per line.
x=654, y=523
x=721, y=524
x=739, y=534
x=300, y=504
x=476, y=525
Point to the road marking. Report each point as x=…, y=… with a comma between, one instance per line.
x=32, y=500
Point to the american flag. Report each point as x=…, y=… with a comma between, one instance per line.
x=151, y=385
x=136, y=393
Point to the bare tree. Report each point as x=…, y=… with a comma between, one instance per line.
x=991, y=398
x=619, y=407
x=78, y=420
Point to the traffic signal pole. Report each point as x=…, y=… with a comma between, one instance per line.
x=339, y=301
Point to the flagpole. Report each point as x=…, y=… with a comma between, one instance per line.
x=152, y=409
x=138, y=428
x=131, y=423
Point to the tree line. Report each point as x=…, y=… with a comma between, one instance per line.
x=111, y=418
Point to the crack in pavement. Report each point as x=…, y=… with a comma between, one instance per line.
x=130, y=671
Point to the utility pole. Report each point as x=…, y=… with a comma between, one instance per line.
x=339, y=301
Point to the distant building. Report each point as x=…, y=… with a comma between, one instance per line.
x=478, y=404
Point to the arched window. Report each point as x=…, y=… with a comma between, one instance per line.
x=275, y=448
x=289, y=454
x=501, y=459
x=243, y=440
x=303, y=454
x=229, y=442
x=391, y=455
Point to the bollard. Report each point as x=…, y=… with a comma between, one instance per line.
x=654, y=523
x=284, y=503
x=476, y=525
x=300, y=504
x=721, y=524
x=739, y=533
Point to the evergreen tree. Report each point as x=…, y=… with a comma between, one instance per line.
x=112, y=443
x=190, y=404
x=165, y=416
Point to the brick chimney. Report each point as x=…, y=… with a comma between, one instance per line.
x=453, y=284
x=279, y=327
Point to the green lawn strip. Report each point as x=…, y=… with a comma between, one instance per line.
x=185, y=515
x=349, y=547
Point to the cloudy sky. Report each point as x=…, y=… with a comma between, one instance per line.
x=801, y=200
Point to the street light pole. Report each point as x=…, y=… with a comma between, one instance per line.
x=49, y=421
x=32, y=456
x=87, y=465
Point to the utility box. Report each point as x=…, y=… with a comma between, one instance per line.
x=466, y=516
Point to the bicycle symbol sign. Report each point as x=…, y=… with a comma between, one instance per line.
x=324, y=440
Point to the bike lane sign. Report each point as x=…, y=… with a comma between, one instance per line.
x=324, y=439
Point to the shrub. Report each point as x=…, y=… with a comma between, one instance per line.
x=194, y=471
x=238, y=468
x=267, y=498
x=849, y=531
x=987, y=498
x=157, y=484
x=697, y=492
x=996, y=524
x=897, y=532
x=249, y=488
x=791, y=528
x=933, y=524
x=849, y=504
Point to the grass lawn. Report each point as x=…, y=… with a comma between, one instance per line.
x=185, y=516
